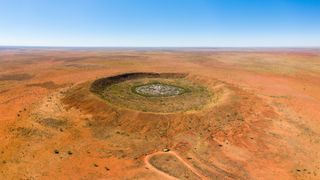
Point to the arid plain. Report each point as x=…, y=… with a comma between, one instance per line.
x=246, y=114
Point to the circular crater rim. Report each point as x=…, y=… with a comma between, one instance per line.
x=119, y=91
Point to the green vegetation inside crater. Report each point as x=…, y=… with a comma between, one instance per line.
x=183, y=95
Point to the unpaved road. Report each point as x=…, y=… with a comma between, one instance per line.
x=173, y=153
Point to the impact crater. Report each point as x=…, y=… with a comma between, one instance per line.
x=153, y=92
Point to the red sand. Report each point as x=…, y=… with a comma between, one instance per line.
x=266, y=126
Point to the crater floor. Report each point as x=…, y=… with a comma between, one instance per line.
x=158, y=90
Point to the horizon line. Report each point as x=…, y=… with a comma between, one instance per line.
x=186, y=47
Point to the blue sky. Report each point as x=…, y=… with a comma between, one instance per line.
x=216, y=23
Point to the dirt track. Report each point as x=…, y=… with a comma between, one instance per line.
x=147, y=161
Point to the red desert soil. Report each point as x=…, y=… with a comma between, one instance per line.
x=263, y=124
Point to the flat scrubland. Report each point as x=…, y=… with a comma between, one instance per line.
x=247, y=114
